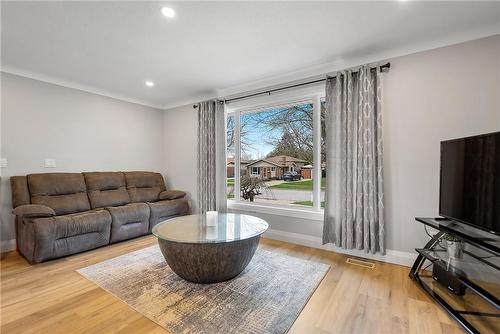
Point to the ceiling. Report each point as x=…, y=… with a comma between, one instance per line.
x=218, y=48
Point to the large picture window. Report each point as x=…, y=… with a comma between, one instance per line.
x=276, y=155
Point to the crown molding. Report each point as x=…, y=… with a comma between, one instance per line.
x=314, y=71
x=75, y=85
x=305, y=73
x=319, y=70
x=190, y=100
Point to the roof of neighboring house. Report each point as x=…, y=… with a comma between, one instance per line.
x=242, y=162
x=280, y=161
x=285, y=160
x=265, y=160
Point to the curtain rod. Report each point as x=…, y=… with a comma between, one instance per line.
x=268, y=92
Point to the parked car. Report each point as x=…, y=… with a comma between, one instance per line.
x=291, y=176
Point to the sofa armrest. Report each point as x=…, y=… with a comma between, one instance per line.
x=33, y=210
x=172, y=194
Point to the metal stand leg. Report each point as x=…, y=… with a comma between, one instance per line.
x=414, y=275
x=417, y=265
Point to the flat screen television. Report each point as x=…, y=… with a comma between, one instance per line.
x=470, y=181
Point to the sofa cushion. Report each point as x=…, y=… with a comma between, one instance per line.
x=20, y=192
x=69, y=234
x=162, y=210
x=144, y=186
x=106, y=189
x=129, y=221
x=63, y=192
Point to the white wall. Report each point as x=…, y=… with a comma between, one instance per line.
x=429, y=96
x=432, y=96
x=180, y=128
x=82, y=131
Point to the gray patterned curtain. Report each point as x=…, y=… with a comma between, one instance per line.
x=211, y=156
x=354, y=211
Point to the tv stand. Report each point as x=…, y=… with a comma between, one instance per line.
x=478, y=270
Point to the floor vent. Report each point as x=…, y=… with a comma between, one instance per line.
x=361, y=263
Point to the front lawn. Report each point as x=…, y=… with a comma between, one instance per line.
x=299, y=185
x=230, y=181
x=308, y=203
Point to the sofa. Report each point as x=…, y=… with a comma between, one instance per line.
x=59, y=214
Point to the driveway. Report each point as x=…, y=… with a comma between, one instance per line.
x=284, y=194
x=274, y=182
x=289, y=195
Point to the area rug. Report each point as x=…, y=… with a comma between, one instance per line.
x=266, y=297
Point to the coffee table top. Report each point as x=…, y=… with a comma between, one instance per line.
x=212, y=227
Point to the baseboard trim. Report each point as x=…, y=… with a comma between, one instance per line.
x=7, y=245
x=391, y=256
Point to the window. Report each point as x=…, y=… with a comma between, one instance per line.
x=230, y=149
x=279, y=162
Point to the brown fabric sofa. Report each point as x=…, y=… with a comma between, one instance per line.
x=59, y=214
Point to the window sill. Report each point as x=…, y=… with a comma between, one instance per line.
x=309, y=214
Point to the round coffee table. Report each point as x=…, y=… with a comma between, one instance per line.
x=209, y=248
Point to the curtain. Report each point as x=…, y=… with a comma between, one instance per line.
x=211, y=156
x=354, y=209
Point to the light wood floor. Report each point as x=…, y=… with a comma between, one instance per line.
x=52, y=298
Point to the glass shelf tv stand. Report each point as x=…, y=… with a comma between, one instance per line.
x=478, y=270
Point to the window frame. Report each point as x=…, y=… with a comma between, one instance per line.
x=311, y=94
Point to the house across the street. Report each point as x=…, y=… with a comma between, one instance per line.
x=230, y=167
x=268, y=168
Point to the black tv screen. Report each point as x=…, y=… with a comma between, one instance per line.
x=470, y=181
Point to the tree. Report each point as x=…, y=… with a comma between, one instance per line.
x=251, y=187
x=287, y=146
x=291, y=129
x=245, y=143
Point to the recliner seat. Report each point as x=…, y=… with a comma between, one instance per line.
x=108, y=190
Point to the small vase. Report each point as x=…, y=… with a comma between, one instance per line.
x=455, y=249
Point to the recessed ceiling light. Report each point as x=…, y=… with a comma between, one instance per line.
x=168, y=12
x=149, y=83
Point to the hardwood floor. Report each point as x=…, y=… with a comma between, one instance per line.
x=52, y=298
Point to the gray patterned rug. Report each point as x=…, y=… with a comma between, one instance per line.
x=266, y=298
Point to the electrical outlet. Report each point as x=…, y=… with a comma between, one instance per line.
x=49, y=163
x=4, y=163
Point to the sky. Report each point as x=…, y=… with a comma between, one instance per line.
x=259, y=135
